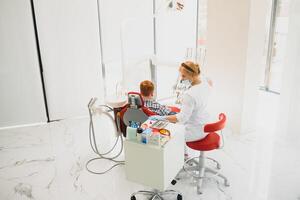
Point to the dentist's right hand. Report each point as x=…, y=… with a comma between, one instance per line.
x=157, y=117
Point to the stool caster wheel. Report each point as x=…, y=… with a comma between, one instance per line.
x=227, y=184
x=173, y=182
x=179, y=197
x=199, y=191
x=132, y=198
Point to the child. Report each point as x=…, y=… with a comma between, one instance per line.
x=146, y=90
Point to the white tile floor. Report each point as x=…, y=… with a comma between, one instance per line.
x=48, y=162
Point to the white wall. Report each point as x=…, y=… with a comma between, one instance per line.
x=286, y=162
x=255, y=62
x=227, y=40
x=176, y=31
x=290, y=94
x=69, y=40
x=21, y=97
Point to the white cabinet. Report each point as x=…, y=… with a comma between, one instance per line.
x=155, y=166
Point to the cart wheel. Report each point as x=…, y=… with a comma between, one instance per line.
x=179, y=197
x=173, y=182
x=132, y=198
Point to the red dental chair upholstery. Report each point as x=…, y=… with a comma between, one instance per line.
x=197, y=167
x=174, y=109
x=134, y=111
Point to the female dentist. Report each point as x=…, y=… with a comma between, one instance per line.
x=193, y=112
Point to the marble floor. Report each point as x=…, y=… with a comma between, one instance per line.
x=48, y=162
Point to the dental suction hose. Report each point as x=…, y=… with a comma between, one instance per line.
x=103, y=109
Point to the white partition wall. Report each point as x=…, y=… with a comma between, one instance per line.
x=135, y=16
x=69, y=41
x=137, y=47
x=175, y=33
x=21, y=93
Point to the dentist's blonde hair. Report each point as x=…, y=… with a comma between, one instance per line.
x=191, y=68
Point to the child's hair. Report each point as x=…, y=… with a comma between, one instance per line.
x=146, y=88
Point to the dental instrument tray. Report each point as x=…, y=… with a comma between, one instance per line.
x=159, y=124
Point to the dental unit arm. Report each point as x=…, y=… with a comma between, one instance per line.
x=103, y=109
x=100, y=109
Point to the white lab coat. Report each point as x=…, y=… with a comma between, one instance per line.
x=193, y=112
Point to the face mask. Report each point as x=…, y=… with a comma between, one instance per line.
x=186, y=82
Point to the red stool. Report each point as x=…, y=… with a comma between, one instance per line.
x=212, y=141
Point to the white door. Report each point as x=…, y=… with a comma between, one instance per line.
x=69, y=40
x=21, y=93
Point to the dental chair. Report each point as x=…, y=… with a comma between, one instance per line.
x=196, y=166
x=134, y=111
